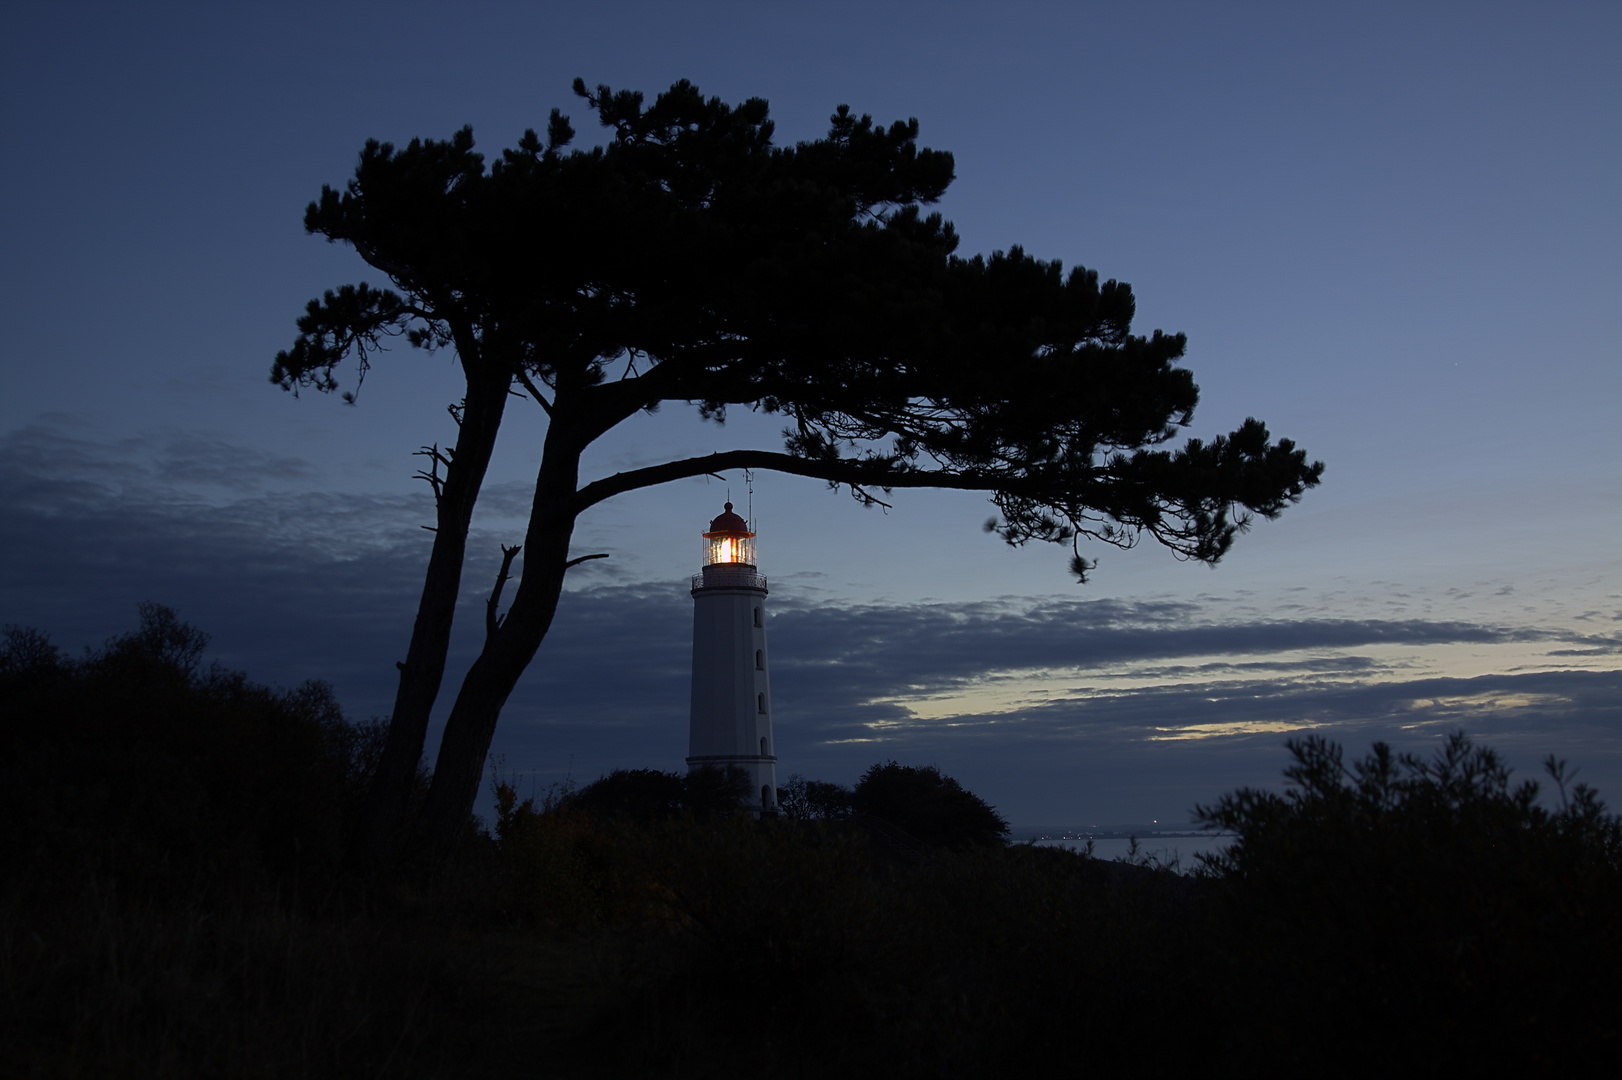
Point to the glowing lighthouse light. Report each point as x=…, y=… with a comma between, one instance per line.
x=729, y=541
x=732, y=694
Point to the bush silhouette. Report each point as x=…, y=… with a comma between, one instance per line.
x=1400, y=888
x=643, y=796
x=167, y=764
x=935, y=809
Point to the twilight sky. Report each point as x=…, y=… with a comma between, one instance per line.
x=1390, y=231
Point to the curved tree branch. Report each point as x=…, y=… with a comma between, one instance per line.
x=874, y=472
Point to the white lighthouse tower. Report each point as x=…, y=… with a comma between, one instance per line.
x=732, y=695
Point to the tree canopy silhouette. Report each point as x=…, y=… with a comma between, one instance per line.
x=934, y=808
x=689, y=259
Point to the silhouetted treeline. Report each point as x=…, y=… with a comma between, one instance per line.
x=175, y=902
x=138, y=760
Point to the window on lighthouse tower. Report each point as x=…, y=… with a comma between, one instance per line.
x=760, y=702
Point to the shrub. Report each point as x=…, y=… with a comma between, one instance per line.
x=1414, y=912
x=555, y=861
x=935, y=809
x=142, y=761
x=643, y=796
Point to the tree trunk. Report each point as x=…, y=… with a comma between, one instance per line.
x=376, y=841
x=507, y=652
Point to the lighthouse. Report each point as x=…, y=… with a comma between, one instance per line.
x=732, y=696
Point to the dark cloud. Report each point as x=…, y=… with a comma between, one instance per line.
x=937, y=647
x=54, y=456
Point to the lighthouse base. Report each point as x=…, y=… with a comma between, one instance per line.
x=761, y=770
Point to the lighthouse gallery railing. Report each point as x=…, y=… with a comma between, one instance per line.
x=719, y=577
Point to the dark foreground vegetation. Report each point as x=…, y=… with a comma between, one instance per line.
x=175, y=902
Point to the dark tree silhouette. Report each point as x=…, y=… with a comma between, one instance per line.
x=934, y=808
x=813, y=800
x=691, y=260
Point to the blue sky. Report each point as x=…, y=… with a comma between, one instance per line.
x=1390, y=231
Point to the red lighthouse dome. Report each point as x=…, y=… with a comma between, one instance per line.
x=728, y=524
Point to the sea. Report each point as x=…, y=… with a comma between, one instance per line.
x=1171, y=846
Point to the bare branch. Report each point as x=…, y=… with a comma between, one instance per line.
x=583, y=558
x=437, y=457
x=491, y=622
